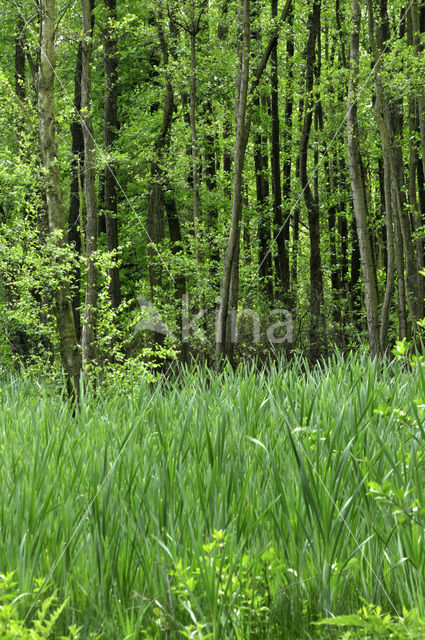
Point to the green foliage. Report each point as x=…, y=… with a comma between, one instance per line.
x=370, y=623
x=221, y=592
x=245, y=505
x=43, y=619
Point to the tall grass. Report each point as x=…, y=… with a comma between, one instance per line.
x=244, y=505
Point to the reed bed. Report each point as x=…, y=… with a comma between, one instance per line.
x=245, y=505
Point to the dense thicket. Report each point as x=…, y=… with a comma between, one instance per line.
x=214, y=179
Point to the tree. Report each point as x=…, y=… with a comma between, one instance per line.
x=88, y=338
x=71, y=358
x=359, y=191
x=110, y=129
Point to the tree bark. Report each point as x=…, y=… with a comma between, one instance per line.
x=70, y=355
x=158, y=184
x=88, y=339
x=109, y=138
x=77, y=181
x=243, y=123
x=240, y=148
x=287, y=164
x=316, y=281
x=261, y=164
x=281, y=235
x=193, y=31
x=388, y=119
x=359, y=191
x=416, y=27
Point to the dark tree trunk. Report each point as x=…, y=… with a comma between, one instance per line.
x=88, y=337
x=110, y=136
x=231, y=253
x=70, y=354
x=316, y=281
x=287, y=164
x=261, y=163
x=281, y=235
x=332, y=196
x=76, y=187
x=176, y=248
x=354, y=284
x=389, y=119
x=211, y=183
x=158, y=182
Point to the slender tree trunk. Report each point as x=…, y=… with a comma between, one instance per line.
x=401, y=293
x=316, y=282
x=231, y=332
x=294, y=249
x=110, y=136
x=343, y=227
x=211, y=184
x=261, y=164
x=389, y=288
x=70, y=354
x=155, y=207
x=240, y=148
x=77, y=182
x=287, y=162
x=416, y=27
x=332, y=227
x=358, y=188
x=419, y=123
x=281, y=234
x=176, y=248
x=355, y=269
x=413, y=202
x=158, y=183
x=19, y=341
x=388, y=188
x=388, y=119
x=88, y=339
x=243, y=123
x=193, y=127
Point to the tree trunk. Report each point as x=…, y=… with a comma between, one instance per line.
x=70, y=354
x=332, y=195
x=176, y=248
x=389, y=288
x=193, y=125
x=240, y=148
x=75, y=203
x=261, y=164
x=281, y=235
x=416, y=27
x=88, y=340
x=109, y=138
x=316, y=282
x=358, y=189
x=211, y=184
x=388, y=119
x=243, y=123
x=287, y=164
x=158, y=181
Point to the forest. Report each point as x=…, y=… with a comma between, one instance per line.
x=203, y=181
x=212, y=312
